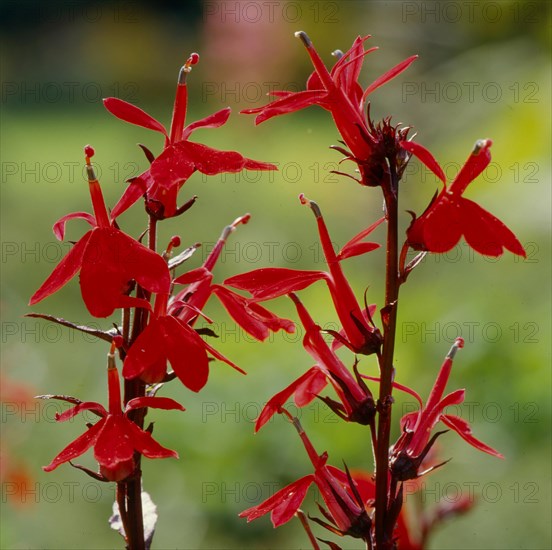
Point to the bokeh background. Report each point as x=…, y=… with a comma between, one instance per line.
x=483, y=72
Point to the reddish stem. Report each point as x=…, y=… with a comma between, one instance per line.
x=303, y=519
x=383, y=531
x=134, y=524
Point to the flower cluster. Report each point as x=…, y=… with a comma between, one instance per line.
x=372, y=508
x=157, y=340
x=159, y=308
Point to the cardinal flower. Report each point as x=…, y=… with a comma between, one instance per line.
x=180, y=157
x=168, y=338
x=414, y=524
x=356, y=401
x=450, y=215
x=337, y=91
x=108, y=260
x=359, y=333
x=253, y=318
x=115, y=437
x=345, y=507
x=414, y=443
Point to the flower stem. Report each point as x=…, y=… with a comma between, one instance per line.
x=134, y=525
x=152, y=233
x=301, y=515
x=383, y=532
x=135, y=533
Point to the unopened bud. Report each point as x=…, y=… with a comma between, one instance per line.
x=89, y=152
x=193, y=59
x=116, y=342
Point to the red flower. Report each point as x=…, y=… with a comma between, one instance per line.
x=303, y=390
x=170, y=337
x=450, y=215
x=414, y=443
x=357, y=403
x=180, y=157
x=167, y=338
x=359, y=333
x=107, y=258
x=346, y=509
x=337, y=91
x=253, y=318
x=413, y=524
x=115, y=437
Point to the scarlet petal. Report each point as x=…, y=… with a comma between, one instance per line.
x=163, y=200
x=350, y=65
x=165, y=403
x=431, y=414
x=144, y=443
x=463, y=429
x=186, y=353
x=313, y=84
x=236, y=306
x=114, y=448
x=289, y=104
x=310, y=387
x=357, y=249
x=147, y=358
x=64, y=271
x=271, y=282
x=111, y=260
x=171, y=167
x=130, y=113
x=212, y=121
x=77, y=447
x=290, y=503
x=272, y=321
x=306, y=388
x=390, y=74
x=425, y=156
x=476, y=163
x=86, y=406
x=441, y=225
x=136, y=189
x=59, y=226
x=485, y=233
x=284, y=503
x=148, y=268
x=211, y=161
x=409, y=420
x=346, y=251
x=193, y=276
x=453, y=398
x=253, y=318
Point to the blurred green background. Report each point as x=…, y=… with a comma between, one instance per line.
x=483, y=72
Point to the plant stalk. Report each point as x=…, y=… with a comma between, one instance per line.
x=134, y=524
x=383, y=532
